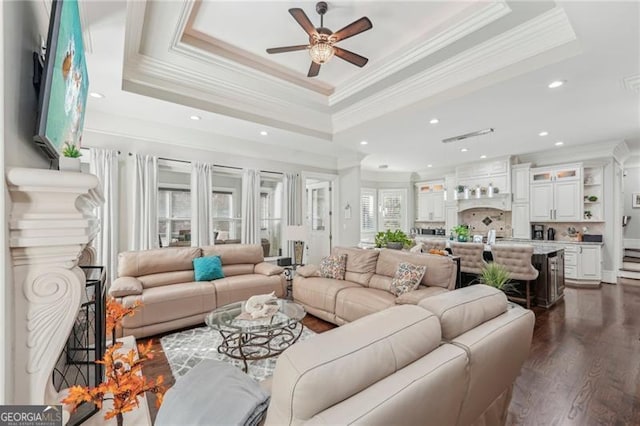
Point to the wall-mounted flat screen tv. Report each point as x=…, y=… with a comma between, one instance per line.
x=65, y=82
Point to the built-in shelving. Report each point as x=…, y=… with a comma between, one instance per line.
x=592, y=187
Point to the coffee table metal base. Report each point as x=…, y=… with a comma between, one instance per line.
x=255, y=345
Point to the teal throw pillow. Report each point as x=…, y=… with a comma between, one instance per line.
x=207, y=268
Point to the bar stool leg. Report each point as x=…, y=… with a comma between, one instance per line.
x=528, y=294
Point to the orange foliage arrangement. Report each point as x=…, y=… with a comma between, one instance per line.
x=123, y=382
x=438, y=252
x=116, y=312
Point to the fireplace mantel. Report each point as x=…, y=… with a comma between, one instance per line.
x=52, y=220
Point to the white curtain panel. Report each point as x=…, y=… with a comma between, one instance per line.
x=104, y=164
x=201, y=204
x=145, y=203
x=292, y=199
x=250, y=207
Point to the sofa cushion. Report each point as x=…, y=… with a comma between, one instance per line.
x=308, y=271
x=238, y=269
x=333, y=266
x=381, y=282
x=232, y=254
x=415, y=296
x=353, y=357
x=170, y=302
x=357, y=302
x=125, y=286
x=268, y=269
x=441, y=270
x=407, y=278
x=207, y=268
x=242, y=287
x=147, y=262
x=463, y=309
x=164, y=278
x=361, y=263
x=318, y=292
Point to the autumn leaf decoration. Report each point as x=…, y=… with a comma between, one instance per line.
x=116, y=312
x=123, y=382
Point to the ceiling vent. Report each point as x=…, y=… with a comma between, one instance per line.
x=468, y=135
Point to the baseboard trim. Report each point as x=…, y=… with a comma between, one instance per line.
x=610, y=277
x=633, y=243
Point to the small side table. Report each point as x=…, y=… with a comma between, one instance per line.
x=289, y=273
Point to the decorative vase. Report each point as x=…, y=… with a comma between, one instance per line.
x=67, y=164
x=462, y=238
x=395, y=245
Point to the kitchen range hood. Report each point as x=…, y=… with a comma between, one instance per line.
x=497, y=202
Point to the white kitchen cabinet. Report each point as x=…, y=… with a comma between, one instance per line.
x=431, y=206
x=556, y=194
x=520, y=183
x=450, y=216
x=583, y=265
x=520, y=224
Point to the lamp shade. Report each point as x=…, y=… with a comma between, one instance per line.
x=295, y=233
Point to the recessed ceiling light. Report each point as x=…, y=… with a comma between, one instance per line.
x=363, y=142
x=383, y=166
x=96, y=95
x=463, y=150
x=429, y=165
x=555, y=84
x=195, y=117
x=434, y=121
x=559, y=143
x=543, y=133
x=264, y=133
x=483, y=156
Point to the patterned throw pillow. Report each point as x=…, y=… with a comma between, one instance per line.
x=407, y=278
x=333, y=267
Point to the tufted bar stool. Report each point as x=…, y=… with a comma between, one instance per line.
x=517, y=260
x=471, y=257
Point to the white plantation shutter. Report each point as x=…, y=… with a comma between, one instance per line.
x=368, y=210
x=392, y=209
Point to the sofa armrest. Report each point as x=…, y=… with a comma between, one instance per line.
x=308, y=271
x=267, y=269
x=125, y=286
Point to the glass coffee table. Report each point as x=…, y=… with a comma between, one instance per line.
x=253, y=339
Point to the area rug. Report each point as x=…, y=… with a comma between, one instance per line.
x=186, y=349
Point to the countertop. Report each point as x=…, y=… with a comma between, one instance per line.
x=518, y=241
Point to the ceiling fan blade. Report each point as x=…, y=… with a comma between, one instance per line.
x=356, y=27
x=314, y=69
x=287, y=48
x=302, y=19
x=351, y=57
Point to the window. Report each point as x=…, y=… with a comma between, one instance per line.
x=226, y=225
x=174, y=216
x=271, y=215
x=367, y=211
x=381, y=210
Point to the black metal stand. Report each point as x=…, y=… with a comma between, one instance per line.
x=86, y=344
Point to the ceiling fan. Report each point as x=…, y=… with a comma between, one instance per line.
x=322, y=40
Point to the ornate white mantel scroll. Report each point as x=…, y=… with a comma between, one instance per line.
x=52, y=220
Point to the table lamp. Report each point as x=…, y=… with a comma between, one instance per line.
x=297, y=234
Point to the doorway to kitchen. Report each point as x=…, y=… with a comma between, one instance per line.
x=319, y=213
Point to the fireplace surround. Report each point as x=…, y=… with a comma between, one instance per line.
x=52, y=220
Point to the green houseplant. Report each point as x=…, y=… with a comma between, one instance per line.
x=496, y=276
x=462, y=232
x=70, y=159
x=392, y=239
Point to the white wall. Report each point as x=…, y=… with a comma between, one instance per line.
x=631, y=185
x=349, y=193
x=22, y=24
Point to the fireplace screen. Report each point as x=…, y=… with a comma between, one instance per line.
x=86, y=343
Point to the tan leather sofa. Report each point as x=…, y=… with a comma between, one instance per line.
x=163, y=280
x=368, y=277
x=451, y=360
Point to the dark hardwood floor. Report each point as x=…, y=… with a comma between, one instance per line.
x=584, y=366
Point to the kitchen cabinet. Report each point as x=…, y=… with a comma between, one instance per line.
x=583, y=264
x=431, y=206
x=451, y=216
x=520, y=224
x=520, y=183
x=556, y=194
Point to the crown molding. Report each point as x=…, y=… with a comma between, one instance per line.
x=402, y=59
x=542, y=33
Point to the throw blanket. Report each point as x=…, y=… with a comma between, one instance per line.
x=213, y=393
x=258, y=306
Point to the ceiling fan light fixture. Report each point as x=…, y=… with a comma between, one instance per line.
x=321, y=52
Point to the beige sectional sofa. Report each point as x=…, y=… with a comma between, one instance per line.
x=163, y=280
x=368, y=277
x=451, y=360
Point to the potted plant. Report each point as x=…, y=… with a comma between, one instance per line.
x=392, y=239
x=462, y=232
x=70, y=159
x=496, y=276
